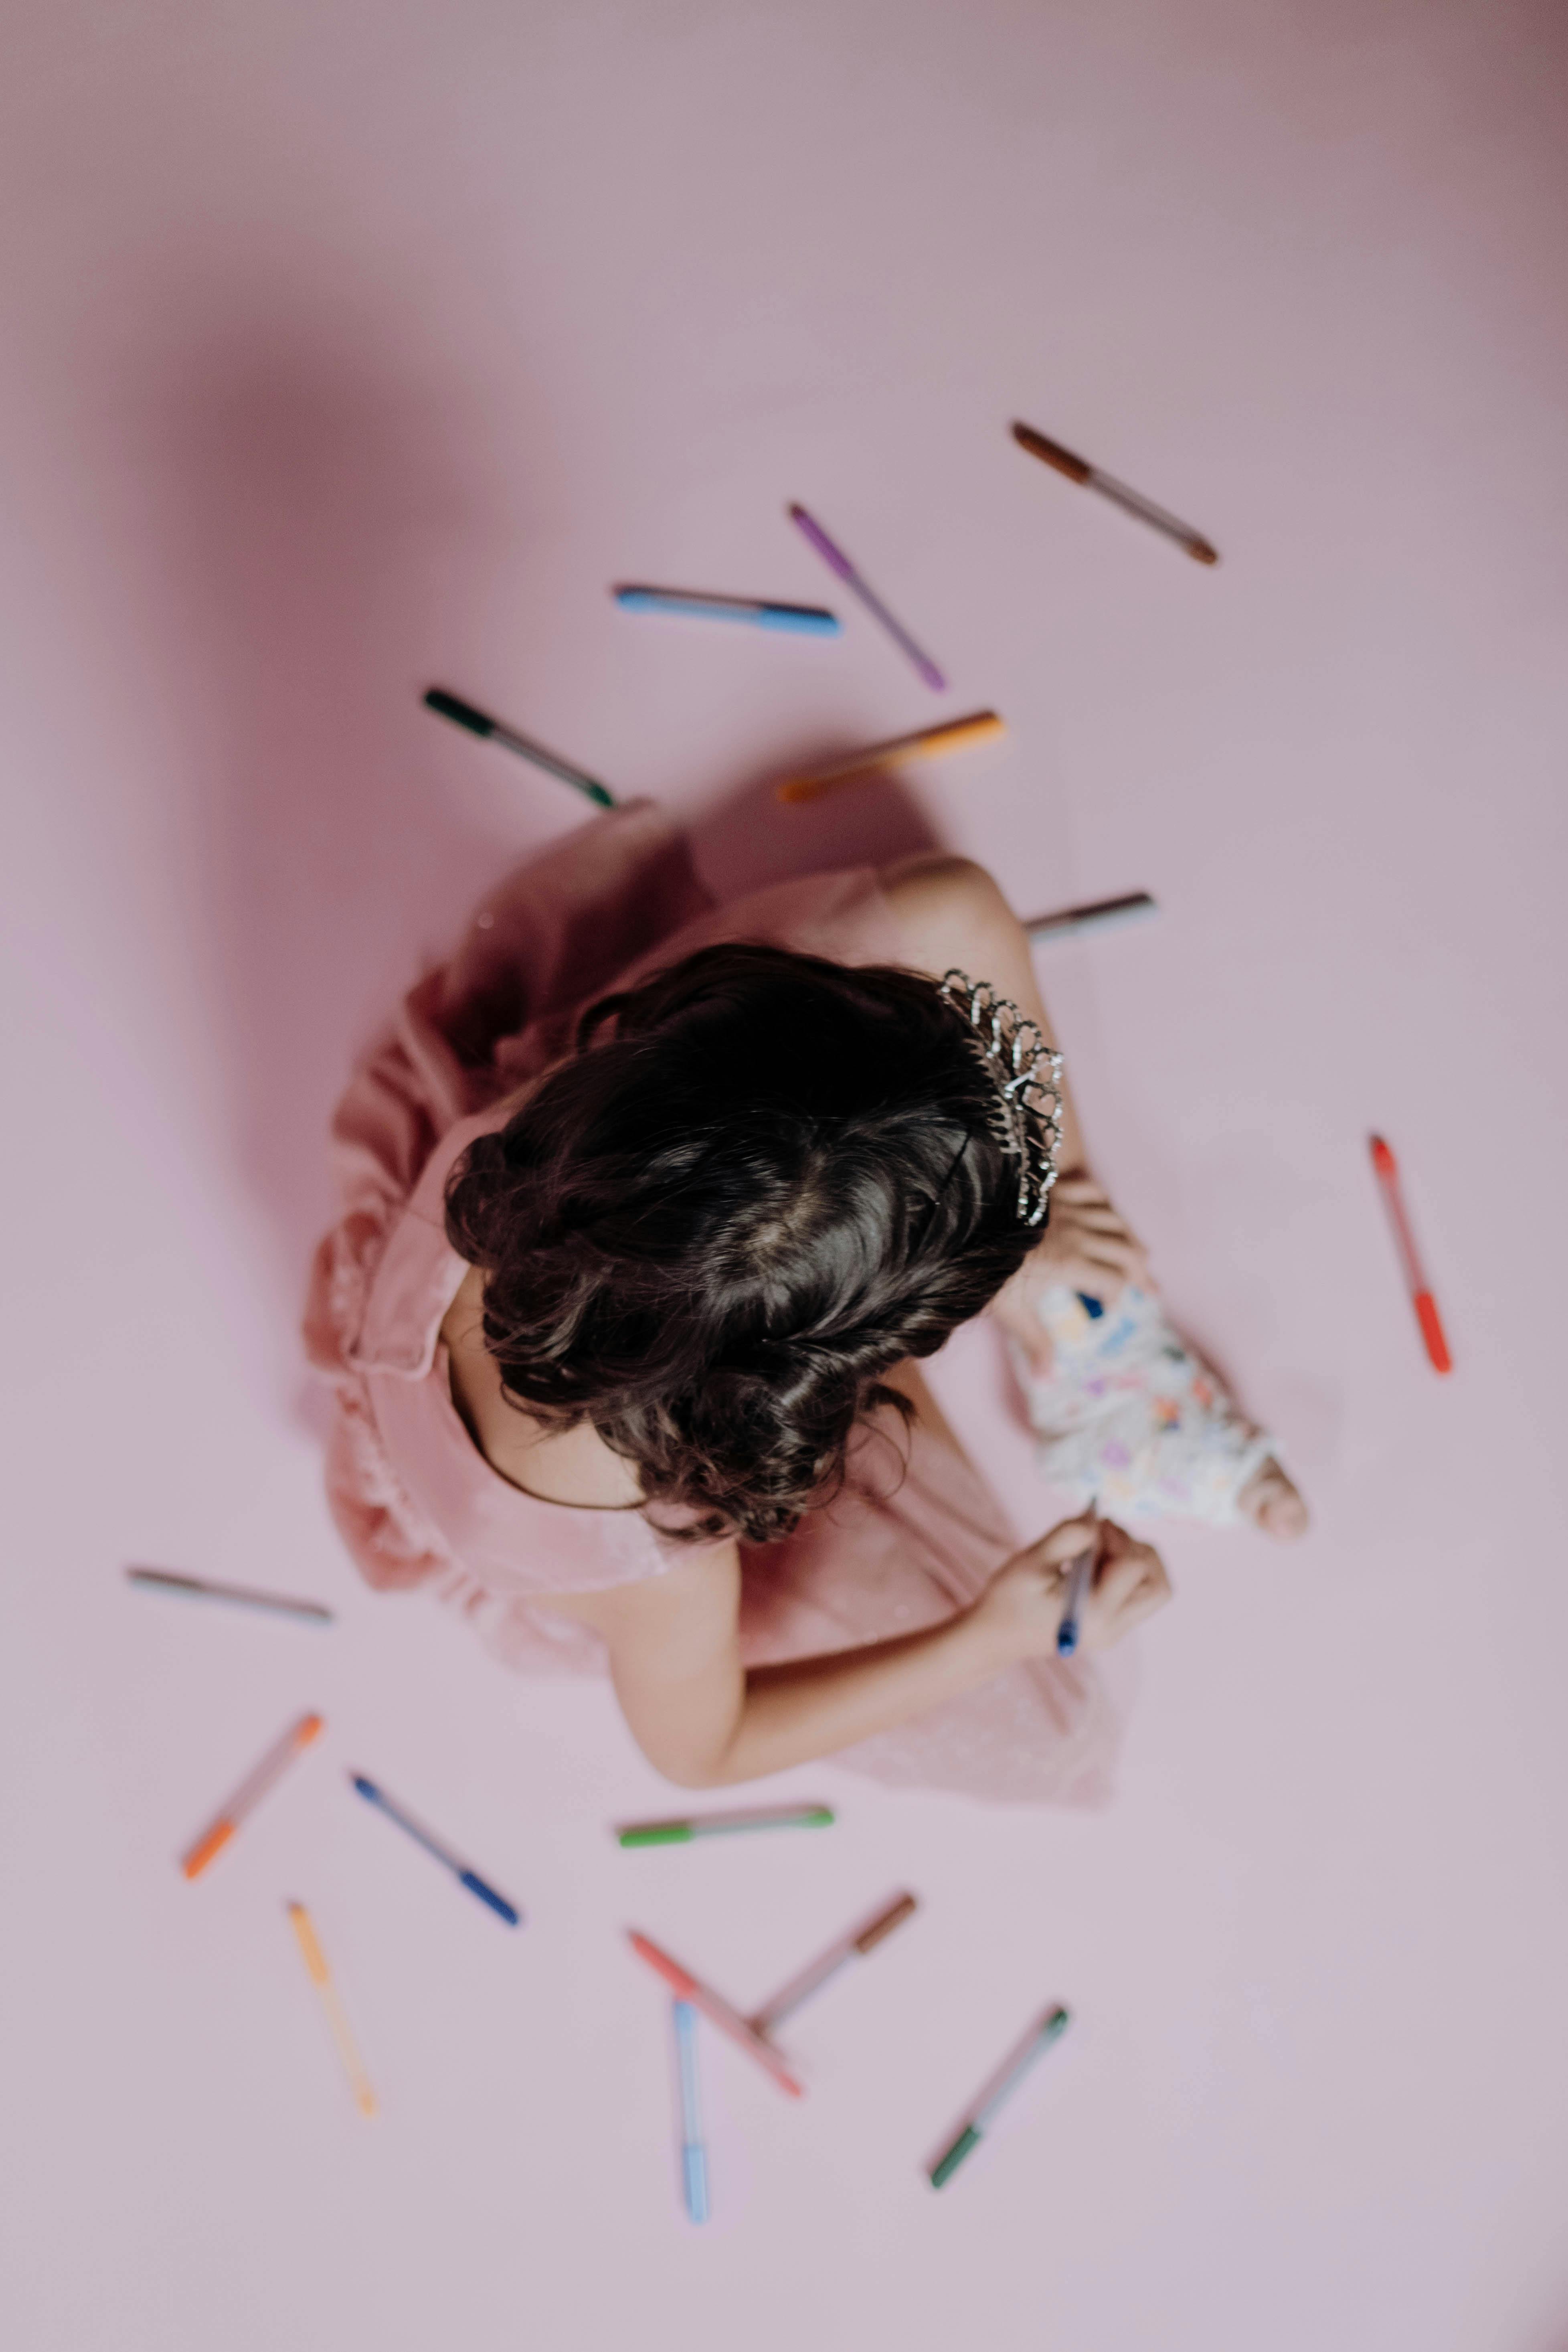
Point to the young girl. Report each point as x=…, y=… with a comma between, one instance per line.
x=651, y=1211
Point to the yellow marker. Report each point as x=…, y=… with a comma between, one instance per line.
x=320, y=1976
x=930, y=744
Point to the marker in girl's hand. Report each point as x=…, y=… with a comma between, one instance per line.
x=1080, y=1583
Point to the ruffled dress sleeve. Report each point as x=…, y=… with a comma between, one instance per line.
x=557, y=931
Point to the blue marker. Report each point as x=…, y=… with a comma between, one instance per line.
x=1080, y=1577
x=421, y=1836
x=807, y=620
x=693, y=2155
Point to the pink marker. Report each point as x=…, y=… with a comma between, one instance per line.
x=717, y=2010
x=837, y=561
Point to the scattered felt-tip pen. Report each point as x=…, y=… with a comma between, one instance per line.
x=237, y=1596
x=1434, y=1338
x=320, y=1976
x=860, y=1941
x=1133, y=502
x=717, y=2011
x=838, y=564
x=479, y=722
x=690, y=1827
x=432, y=1844
x=760, y=612
x=249, y=1793
x=1039, y=2039
x=1098, y=915
x=926, y=743
x=693, y=2149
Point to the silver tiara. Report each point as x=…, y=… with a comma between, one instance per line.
x=1027, y=1076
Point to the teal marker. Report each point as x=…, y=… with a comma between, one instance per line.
x=703, y=1825
x=806, y=620
x=1049, y=2030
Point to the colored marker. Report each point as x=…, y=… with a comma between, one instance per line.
x=249, y=1793
x=928, y=743
x=706, y=1826
x=1081, y=1576
x=320, y=1976
x=422, y=1836
x=807, y=620
x=717, y=2010
x=837, y=561
x=242, y=1596
x=693, y=2153
x=1078, y=469
x=1037, y=2042
x=1096, y=916
x=463, y=714
x=1421, y=1297
x=855, y=1946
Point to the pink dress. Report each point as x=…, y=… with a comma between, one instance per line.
x=417, y=1503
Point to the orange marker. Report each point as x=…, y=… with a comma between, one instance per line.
x=929, y=743
x=1421, y=1297
x=320, y=1976
x=249, y=1793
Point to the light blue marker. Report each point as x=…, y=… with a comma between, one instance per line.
x=422, y=1836
x=693, y=2153
x=807, y=620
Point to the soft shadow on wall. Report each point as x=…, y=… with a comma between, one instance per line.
x=325, y=523
x=335, y=536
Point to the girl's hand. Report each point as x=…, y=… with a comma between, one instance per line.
x=1086, y=1245
x=1022, y=1607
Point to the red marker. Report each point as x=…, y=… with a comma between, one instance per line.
x=1421, y=1297
x=717, y=2010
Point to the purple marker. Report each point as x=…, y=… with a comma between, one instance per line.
x=837, y=561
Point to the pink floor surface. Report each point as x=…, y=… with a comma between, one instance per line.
x=351, y=348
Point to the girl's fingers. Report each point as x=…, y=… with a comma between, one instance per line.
x=1121, y=1257
x=1101, y=1218
x=1131, y=1582
x=1066, y=1542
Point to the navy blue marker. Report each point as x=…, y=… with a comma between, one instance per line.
x=1080, y=1580
x=460, y=1870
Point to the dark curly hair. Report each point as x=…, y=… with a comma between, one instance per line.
x=761, y=1182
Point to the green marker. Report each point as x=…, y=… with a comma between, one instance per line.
x=759, y=1817
x=1040, y=2038
x=479, y=722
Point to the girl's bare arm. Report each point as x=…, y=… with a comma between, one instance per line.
x=705, y=1721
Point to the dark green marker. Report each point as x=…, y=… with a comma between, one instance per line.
x=1050, y=2028
x=463, y=714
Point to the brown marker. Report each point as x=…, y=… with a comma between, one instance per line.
x=1078, y=469
x=852, y=1946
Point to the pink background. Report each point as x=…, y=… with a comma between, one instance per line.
x=350, y=347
